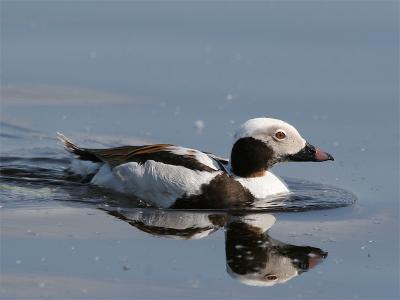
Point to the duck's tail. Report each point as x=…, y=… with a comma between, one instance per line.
x=82, y=153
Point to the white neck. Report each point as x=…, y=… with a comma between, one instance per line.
x=263, y=186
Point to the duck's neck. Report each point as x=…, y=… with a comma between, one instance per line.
x=250, y=158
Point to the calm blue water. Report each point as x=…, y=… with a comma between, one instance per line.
x=111, y=73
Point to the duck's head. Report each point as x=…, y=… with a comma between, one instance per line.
x=260, y=143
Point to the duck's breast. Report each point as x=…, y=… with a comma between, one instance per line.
x=264, y=186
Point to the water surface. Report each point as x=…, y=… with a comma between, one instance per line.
x=107, y=74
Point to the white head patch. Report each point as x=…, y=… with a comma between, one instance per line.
x=268, y=130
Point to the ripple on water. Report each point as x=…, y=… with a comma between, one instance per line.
x=26, y=181
x=308, y=195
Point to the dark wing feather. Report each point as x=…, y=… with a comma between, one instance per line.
x=140, y=154
x=222, y=162
x=120, y=155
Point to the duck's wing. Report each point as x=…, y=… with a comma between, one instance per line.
x=222, y=162
x=163, y=153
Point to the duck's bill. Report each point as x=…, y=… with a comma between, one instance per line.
x=310, y=153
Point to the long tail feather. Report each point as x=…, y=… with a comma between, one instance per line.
x=83, y=154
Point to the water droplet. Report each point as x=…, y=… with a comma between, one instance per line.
x=126, y=267
x=199, y=126
x=18, y=261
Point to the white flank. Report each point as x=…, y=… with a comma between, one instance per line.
x=153, y=181
x=105, y=177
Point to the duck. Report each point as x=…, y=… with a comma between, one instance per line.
x=176, y=177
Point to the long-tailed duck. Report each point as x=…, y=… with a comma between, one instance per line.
x=176, y=177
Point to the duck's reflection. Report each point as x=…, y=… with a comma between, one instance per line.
x=252, y=256
x=171, y=224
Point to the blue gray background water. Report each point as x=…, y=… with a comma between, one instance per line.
x=107, y=73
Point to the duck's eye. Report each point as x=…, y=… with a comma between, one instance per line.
x=271, y=277
x=280, y=135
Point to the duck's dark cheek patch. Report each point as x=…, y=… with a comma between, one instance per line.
x=250, y=156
